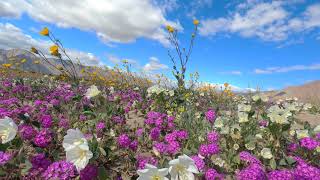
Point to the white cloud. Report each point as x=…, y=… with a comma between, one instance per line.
x=232, y=72
x=12, y=37
x=12, y=8
x=267, y=21
x=271, y=70
x=154, y=65
x=120, y=21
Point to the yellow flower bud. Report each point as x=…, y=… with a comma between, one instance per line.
x=196, y=22
x=45, y=31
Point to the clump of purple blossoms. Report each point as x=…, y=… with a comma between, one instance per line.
x=318, y=136
x=309, y=143
x=247, y=157
x=40, y=161
x=305, y=171
x=253, y=172
x=43, y=138
x=123, y=141
x=143, y=160
x=213, y=137
x=281, y=175
x=293, y=147
x=4, y=157
x=27, y=132
x=210, y=115
x=208, y=149
x=139, y=132
x=101, y=125
x=212, y=174
x=155, y=133
x=199, y=162
x=89, y=172
x=134, y=145
x=263, y=123
x=160, y=147
x=46, y=121
x=60, y=170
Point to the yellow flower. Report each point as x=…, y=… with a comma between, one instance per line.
x=226, y=84
x=54, y=50
x=170, y=29
x=36, y=62
x=34, y=50
x=196, y=22
x=6, y=65
x=23, y=60
x=44, y=31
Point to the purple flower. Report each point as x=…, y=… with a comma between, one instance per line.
x=82, y=117
x=305, y=171
x=60, y=170
x=213, y=137
x=155, y=133
x=170, y=137
x=293, y=147
x=181, y=135
x=173, y=147
x=27, y=132
x=134, y=145
x=210, y=115
x=203, y=150
x=246, y=156
x=263, y=123
x=318, y=136
x=281, y=175
x=143, y=160
x=139, y=132
x=4, y=157
x=90, y=172
x=213, y=149
x=252, y=172
x=40, y=161
x=101, y=125
x=199, y=162
x=160, y=147
x=118, y=119
x=46, y=121
x=308, y=143
x=43, y=138
x=212, y=174
x=123, y=141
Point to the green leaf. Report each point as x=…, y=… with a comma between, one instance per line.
x=283, y=162
x=273, y=164
x=290, y=160
x=102, y=173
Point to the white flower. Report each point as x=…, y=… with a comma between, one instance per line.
x=250, y=146
x=92, y=91
x=183, y=168
x=317, y=129
x=236, y=146
x=74, y=138
x=77, y=148
x=8, y=130
x=79, y=156
x=152, y=173
x=266, y=153
x=307, y=106
x=243, y=117
x=218, y=123
x=244, y=108
x=171, y=93
x=302, y=133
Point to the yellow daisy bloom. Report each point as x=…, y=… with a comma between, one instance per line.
x=54, y=50
x=196, y=22
x=6, y=65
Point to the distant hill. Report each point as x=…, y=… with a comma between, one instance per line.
x=15, y=55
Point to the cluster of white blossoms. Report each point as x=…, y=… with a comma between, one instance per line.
x=262, y=97
x=243, y=110
x=77, y=148
x=8, y=130
x=158, y=90
x=182, y=168
x=279, y=115
x=92, y=92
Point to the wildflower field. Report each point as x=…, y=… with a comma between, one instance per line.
x=88, y=124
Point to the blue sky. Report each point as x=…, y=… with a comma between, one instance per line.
x=248, y=43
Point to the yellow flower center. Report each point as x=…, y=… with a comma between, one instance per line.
x=156, y=177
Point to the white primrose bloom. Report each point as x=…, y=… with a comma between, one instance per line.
x=183, y=168
x=266, y=153
x=74, y=138
x=263, y=97
x=79, y=156
x=77, y=148
x=243, y=117
x=317, y=129
x=8, y=130
x=92, y=91
x=302, y=133
x=152, y=173
x=244, y=108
